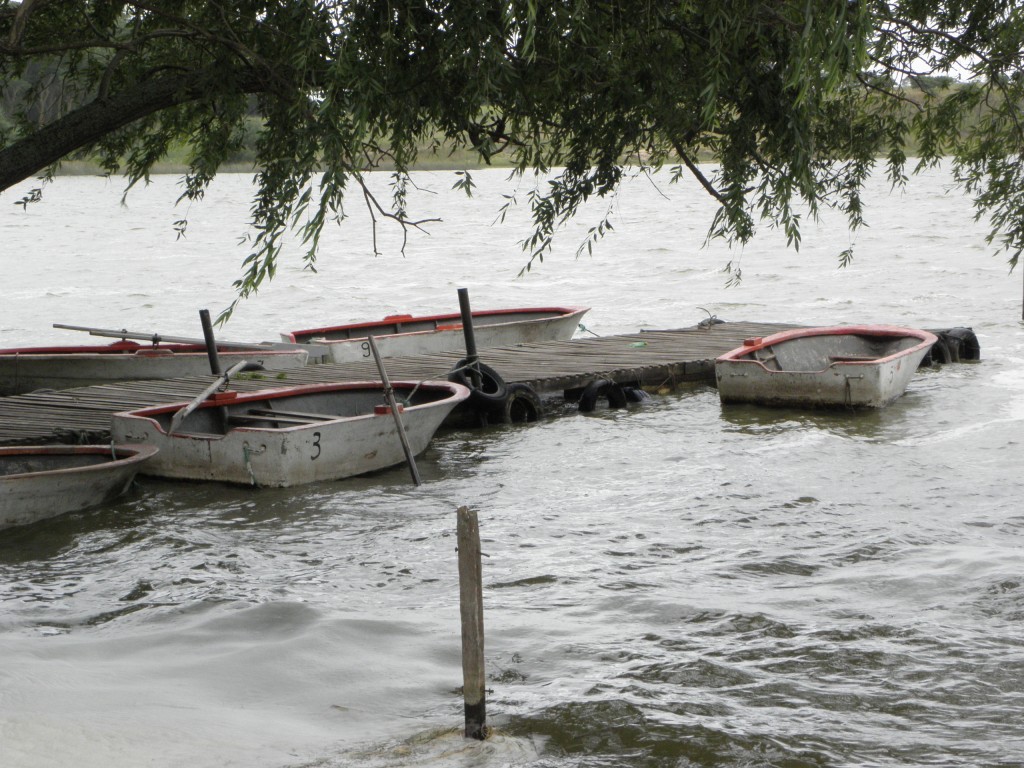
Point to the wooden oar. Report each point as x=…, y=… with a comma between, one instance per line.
x=156, y=338
x=221, y=380
x=389, y=393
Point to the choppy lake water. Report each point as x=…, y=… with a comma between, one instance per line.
x=673, y=585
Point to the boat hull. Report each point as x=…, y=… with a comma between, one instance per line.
x=31, y=369
x=833, y=367
x=401, y=335
x=291, y=436
x=40, y=482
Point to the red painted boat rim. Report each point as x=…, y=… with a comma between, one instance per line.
x=457, y=391
x=449, y=318
x=121, y=455
x=141, y=350
x=926, y=338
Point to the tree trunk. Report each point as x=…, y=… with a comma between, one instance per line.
x=94, y=120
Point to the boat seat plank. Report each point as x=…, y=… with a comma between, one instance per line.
x=293, y=414
x=852, y=358
x=248, y=418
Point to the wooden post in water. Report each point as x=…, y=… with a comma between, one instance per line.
x=471, y=603
x=211, y=343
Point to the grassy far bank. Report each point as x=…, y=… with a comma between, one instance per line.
x=245, y=162
x=177, y=163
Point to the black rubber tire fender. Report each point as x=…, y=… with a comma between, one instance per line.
x=599, y=388
x=965, y=341
x=635, y=394
x=492, y=390
x=522, y=405
x=939, y=353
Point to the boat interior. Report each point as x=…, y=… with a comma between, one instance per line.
x=24, y=463
x=396, y=324
x=289, y=411
x=816, y=353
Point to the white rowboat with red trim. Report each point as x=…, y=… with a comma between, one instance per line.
x=840, y=366
x=400, y=335
x=288, y=436
x=26, y=369
x=40, y=482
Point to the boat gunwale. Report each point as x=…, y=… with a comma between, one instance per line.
x=140, y=350
x=457, y=394
x=557, y=313
x=138, y=453
x=926, y=339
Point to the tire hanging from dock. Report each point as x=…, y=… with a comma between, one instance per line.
x=954, y=345
x=495, y=401
x=521, y=406
x=492, y=390
x=617, y=395
x=939, y=354
x=602, y=388
x=962, y=344
x=492, y=401
x=635, y=394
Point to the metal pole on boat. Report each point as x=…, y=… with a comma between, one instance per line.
x=211, y=342
x=472, y=359
x=389, y=393
x=471, y=609
x=221, y=380
x=156, y=338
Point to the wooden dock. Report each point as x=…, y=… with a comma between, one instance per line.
x=651, y=359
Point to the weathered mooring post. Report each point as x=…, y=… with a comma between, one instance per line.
x=469, y=335
x=471, y=603
x=211, y=342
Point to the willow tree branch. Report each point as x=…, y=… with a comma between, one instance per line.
x=21, y=19
x=91, y=122
x=692, y=167
x=375, y=208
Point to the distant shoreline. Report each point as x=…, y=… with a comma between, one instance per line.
x=87, y=168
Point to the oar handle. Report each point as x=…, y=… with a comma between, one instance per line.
x=157, y=338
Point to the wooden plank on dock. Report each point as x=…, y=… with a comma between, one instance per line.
x=650, y=359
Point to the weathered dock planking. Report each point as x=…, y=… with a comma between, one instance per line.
x=652, y=359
